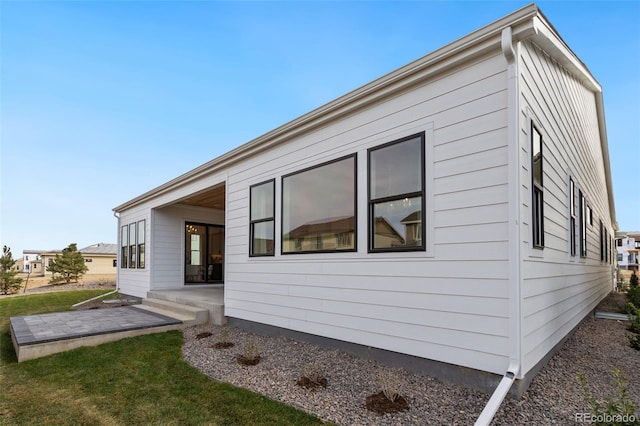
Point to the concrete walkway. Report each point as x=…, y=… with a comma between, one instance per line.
x=35, y=336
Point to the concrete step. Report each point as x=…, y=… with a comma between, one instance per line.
x=185, y=313
x=210, y=299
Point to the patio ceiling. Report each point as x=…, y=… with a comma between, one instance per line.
x=213, y=198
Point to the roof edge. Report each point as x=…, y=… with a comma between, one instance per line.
x=441, y=59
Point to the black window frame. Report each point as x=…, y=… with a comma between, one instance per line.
x=537, y=193
x=572, y=217
x=131, y=250
x=582, y=205
x=422, y=194
x=141, y=245
x=204, y=253
x=602, y=255
x=133, y=257
x=124, y=246
x=272, y=219
x=354, y=158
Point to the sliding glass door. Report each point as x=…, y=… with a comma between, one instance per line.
x=204, y=253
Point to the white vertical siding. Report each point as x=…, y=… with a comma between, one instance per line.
x=448, y=304
x=559, y=290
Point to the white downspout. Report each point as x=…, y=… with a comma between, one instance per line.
x=513, y=129
x=118, y=251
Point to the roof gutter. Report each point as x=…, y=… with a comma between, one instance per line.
x=604, y=143
x=515, y=329
x=550, y=41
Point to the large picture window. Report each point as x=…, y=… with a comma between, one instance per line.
x=319, y=208
x=396, y=195
x=262, y=221
x=537, y=204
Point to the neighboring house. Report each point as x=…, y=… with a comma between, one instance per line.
x=31, y=261
x=333, y=233
x=476, y=211
x=100, y=258
x=628, y=250
x=18, y=265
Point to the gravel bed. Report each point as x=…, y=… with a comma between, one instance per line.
x=597, y=348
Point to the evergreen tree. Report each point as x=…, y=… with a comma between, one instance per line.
x=67, y=266
x=9, y=283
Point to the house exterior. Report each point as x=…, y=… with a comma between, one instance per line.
x=628, y=250
x=100, y=259
x=457, y=211
x=31, y=261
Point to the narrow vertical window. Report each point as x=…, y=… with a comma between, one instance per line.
x=141, y=237
x=262, y=221
x=601, y=241
x=537, y=204
x=572, y=217
x=397, y=196
x=132, y=245
x=124, y=246
x=611, y=249
x=583, y=224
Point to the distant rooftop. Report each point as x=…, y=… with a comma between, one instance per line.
x=100, y=248
x=621, y=234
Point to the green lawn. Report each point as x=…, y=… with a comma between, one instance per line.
x=142, y=380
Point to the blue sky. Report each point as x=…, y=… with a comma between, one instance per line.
x=101, y=101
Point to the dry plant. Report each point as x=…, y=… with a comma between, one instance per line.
x=388, y=400
x=250, y=354
x=312, y=377
x=224, y=339
x=390, y=384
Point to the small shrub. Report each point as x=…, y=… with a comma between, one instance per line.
x=389, y=399
x=390, y=384
x=634, y=317
x=313, y=377
x=223, y=341
x=633, y=281
x=250, y=354
x=619, y=407
x=633, y=293
x=634, y=341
